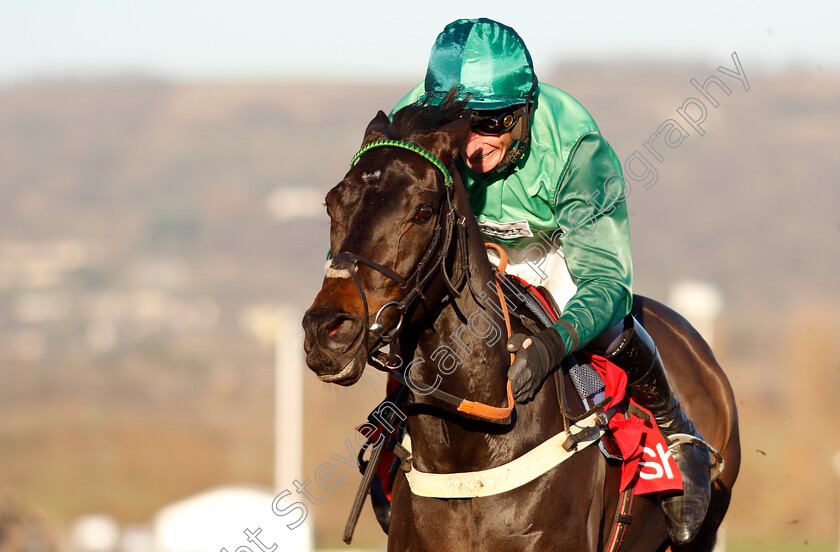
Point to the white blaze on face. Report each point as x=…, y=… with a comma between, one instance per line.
x=368, y=176
x=333, y=272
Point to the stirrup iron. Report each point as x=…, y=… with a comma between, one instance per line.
x=677, y=439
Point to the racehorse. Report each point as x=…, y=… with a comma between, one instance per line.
x=409, y=268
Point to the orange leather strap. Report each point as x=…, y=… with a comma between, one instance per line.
x=486, y=411
x=483, y=410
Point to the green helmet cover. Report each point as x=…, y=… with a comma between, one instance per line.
x=486, y=60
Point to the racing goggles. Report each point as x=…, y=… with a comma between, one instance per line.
x=496, y=122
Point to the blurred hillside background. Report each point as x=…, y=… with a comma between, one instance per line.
x=150, y=231
x=151, y=228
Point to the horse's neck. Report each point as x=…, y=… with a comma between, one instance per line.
x=472, y=326
x=464, y=351
x=474, y=334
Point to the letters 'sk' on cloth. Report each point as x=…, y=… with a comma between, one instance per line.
x=647, y=460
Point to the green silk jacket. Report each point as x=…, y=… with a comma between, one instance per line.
x=566, y=197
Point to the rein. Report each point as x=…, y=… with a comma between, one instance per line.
x=449, y=222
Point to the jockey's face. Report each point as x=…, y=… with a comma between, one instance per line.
x=483, y=152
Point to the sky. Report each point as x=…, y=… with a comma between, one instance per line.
x=390, y=40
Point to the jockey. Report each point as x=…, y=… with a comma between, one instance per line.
x=547, y=187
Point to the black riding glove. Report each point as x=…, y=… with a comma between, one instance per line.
x=536, y=356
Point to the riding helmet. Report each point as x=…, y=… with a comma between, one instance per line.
x=492, y=70
x=486, y=60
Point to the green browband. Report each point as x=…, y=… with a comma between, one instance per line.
x=410, y=147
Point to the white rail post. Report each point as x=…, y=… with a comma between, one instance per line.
x=836, y=464
x=288, y=415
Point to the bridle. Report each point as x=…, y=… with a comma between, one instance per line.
x=449, y=222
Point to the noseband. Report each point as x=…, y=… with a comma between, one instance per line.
x=433, y=261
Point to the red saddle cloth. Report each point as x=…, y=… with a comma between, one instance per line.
x=648, y=464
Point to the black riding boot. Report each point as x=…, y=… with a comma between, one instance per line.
x=648, y=385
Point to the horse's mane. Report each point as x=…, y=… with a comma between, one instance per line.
x=424, y=118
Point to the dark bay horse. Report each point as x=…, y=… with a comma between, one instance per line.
x=408, y=266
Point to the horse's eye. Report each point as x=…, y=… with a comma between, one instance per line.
x=424, y=213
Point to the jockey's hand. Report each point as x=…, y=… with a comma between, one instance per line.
x=536, y=357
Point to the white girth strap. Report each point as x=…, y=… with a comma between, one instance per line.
x=502, y=478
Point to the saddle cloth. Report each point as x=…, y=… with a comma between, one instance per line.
x=647, y=464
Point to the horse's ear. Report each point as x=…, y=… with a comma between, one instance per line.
x=448, y=141
x=376, y=128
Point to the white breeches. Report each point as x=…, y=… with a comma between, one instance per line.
x=550, y=272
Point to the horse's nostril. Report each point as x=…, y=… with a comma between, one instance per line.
x=335, y=327
x=339, y=332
